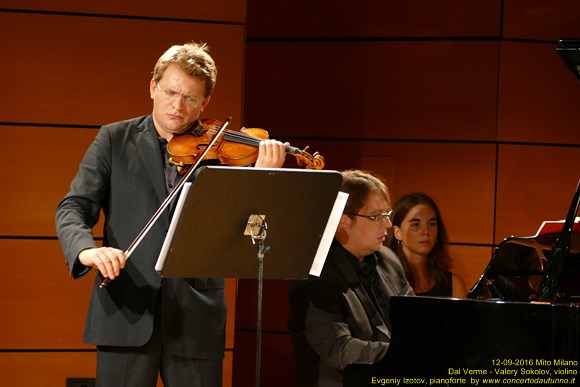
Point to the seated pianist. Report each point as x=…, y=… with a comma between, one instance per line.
x=342, y=316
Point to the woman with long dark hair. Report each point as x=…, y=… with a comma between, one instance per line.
x=419, y=238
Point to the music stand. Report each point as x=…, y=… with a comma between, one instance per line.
x=569, y=50
x=228, y=210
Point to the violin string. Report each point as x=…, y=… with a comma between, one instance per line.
x=239, y=137
x=242, y=138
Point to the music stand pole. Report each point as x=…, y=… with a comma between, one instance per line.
x=258, y=222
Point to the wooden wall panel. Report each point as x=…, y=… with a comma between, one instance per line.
x=43, y=307
x=231, y=295
x=277, y=360
x=227, y=371
x=538, y=95
x=469, y=262
x=37, y=293
x=274, y=308
x=42, y=163
x=220, y=10
x=534, y=184
x=460, y=177
x=101, y=72
x=541, y=20
x=372, y=18
x=403, y=90
x=45, y=369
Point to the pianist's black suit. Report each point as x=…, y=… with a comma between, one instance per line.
x=333, y=321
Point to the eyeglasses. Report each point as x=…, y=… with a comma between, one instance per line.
x=383, y=217
x=172, y=96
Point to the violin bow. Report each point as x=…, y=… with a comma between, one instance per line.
x=170, y=197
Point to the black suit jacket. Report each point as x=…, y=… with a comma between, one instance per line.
x=122, y=175
x=333, y=321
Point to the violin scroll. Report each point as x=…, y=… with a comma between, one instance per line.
x=311, y=161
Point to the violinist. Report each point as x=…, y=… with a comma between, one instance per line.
x=142, y=325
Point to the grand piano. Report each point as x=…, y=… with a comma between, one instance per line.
x=519, y=325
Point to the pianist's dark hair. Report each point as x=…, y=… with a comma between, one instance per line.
x=358, y=184
x=439, y=259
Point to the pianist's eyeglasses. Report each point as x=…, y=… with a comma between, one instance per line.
x=384, y=217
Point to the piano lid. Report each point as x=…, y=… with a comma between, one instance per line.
x=569, y=50
x=544, y=267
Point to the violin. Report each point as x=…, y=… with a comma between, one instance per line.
x=235, y=148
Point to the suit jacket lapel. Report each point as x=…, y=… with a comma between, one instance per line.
x=351, y=277
x=372, y=312
x=148, y=146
